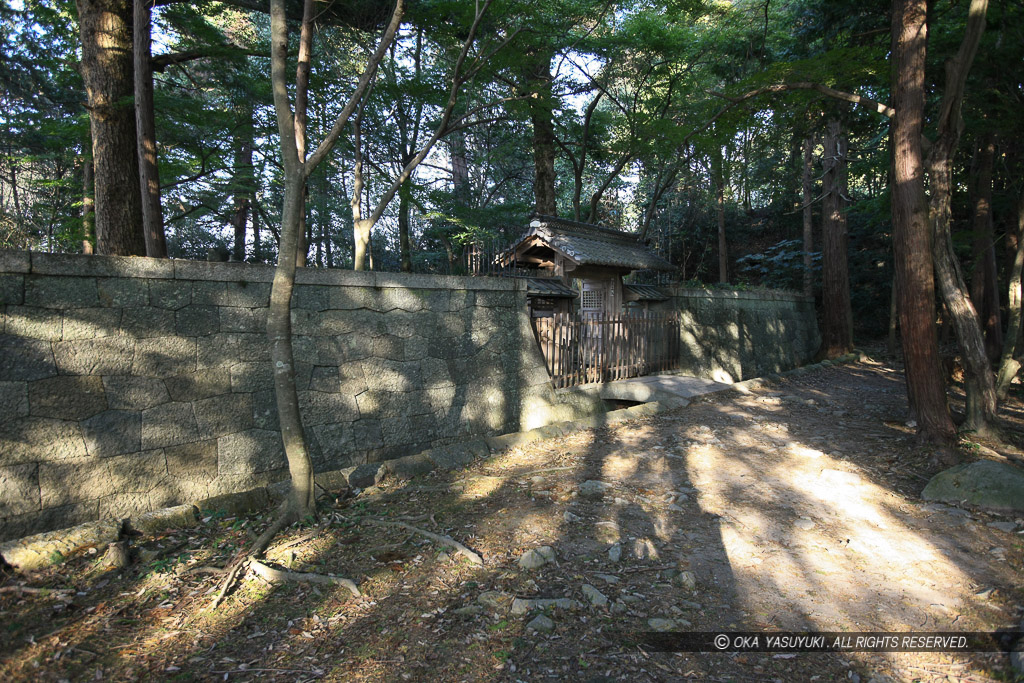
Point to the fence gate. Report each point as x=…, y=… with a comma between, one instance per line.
x=591, y=348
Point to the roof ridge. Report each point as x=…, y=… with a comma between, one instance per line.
x=568, y=223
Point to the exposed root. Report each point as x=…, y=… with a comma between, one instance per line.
x=443, y=540
x=268, y=573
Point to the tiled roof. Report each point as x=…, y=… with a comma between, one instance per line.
x=646, y=293
x=549, y=288
x=593, y=245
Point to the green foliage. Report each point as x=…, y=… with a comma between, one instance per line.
x=781, y=266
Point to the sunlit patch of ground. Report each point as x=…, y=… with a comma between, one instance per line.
x=795, y=507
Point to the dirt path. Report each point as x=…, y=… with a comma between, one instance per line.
x=794, y=507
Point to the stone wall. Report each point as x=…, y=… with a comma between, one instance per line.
x=731, y=336
x=129, y=384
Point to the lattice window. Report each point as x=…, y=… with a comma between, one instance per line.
x=593, y=300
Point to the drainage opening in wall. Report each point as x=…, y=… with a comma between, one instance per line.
x=611, y=404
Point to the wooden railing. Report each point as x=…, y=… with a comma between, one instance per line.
x=590, y=349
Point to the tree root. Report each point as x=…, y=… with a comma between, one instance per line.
x=30, y=590
x=443, y=540
x=268, y=573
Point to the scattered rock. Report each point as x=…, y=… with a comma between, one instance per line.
x=685, y=579
x=987, y=484
x=596, y=597
x=688, y=605
x=570, y=517
x=541, y=624
x=495, y=600
x=608, y=578
x=593, y=488
x=615, y=553
x=1008, y=527
x=661, y=625
x=644, y=549
x=804, y=523
x=521, y=606
x=469, y=611
x=537, y=557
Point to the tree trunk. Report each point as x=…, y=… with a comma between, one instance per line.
x=978, y=381
x=88, y=207
x=279, y=329
x=718, y=173
x=243, y=184
x=105, y=27
x=912, y=241
x=837, y=328
x=145, y=123
x=404, y=207
x=1008, y=364
x=808, y=192
x=984, y=281
x=538, y=81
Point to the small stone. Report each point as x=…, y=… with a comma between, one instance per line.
x=570, y=517
x=541, y=624
x=615, y=553
x=644, y=549
x=687, y=580
x=444, y=557
x=593, y=488
x=537, y=480
x=688, y=605
x=621, y=501
x=494, y=599
x=596, y=597
x=521, y=606
x=619, y=607
x=804, y=524
x=661, y=625
x=469, y=611
x=537, y=557
x=608, y=578
x=1008, y=527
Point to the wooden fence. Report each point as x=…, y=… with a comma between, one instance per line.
x=590, y=349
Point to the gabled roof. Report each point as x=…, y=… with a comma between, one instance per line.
x=588, y=244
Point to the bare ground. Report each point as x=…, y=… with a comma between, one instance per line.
x=795, y=507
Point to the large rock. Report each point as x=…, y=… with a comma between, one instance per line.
x=985, y=483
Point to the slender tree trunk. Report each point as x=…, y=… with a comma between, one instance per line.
x=361, y=227
x=243, y=183
x=404, y=207
x=808, y=192
x=1008, y=364
x=984, y=281
x=145, y=123
x=837, y=328
x=912, y=241
x=106, y=32
x=979, y=383
x=257, y=247
x=890, y=341
x=718, y=173
x=279, y=332
x=88, y=206
x=538, y=80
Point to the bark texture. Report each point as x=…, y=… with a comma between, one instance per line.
x=145, y=123
x=808, y=215
x=979, y=383
x=985, y=279
x=1008, y=364
x=837, y=327
x=912, y=242
x=538, y=82
x=105, y=27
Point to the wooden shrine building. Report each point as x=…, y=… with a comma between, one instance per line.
x=561, y=251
